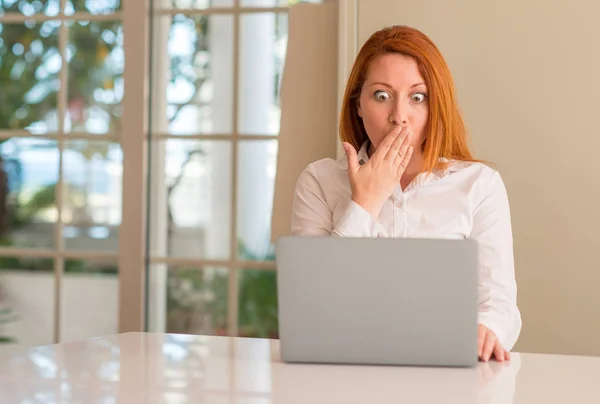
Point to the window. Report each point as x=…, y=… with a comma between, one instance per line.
x=61, y=80
x=215, y=119
x=83, y=128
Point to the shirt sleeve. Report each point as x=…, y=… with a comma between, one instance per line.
x=312, y=216
x=497, y=289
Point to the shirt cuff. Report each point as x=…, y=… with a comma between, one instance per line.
x=355, y=222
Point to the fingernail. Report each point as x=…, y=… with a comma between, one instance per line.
x=398, y=130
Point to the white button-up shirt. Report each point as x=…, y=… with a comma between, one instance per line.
x=467, y=200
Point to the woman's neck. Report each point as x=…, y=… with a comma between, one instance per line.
x=415, y=167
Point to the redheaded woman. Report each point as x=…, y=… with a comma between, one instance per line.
x=408, y=172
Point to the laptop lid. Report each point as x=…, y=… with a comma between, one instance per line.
x=377, y=300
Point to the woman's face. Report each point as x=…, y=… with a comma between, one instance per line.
x=394, y=93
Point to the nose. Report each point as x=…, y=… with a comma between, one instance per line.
x=399, y=115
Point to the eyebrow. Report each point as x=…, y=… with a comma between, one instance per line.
x=387, y=85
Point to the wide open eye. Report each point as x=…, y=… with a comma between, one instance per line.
x=381, y=95
x=419, y=97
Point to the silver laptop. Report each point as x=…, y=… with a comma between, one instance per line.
x=378, y=301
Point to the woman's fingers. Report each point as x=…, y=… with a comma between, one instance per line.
x=399, y=140
x=404, y=163
x=385, y=145
x=499, y=352
x=352, y=157
x=488, y=346
x=481, y=333
x=403, y=149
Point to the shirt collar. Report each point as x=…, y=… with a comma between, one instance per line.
x=452, y=166
x=363, y=156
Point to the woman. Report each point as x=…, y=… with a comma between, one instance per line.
x=408, y=172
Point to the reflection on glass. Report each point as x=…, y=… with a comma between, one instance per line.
x=89, y=286
x=263, y=42
x=31, y=7
x=92, y=6
x=257, y=312
x=26, y=300
x=192, y=4
x=196, y=80
x=96, y=61
x=30, y=61
x=268, y=3
x=275, y=3
x=92, y=172
x=195, y=299
x=190, y=200
x=31, y=167
x=256, y=182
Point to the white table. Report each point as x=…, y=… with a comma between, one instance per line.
x=167, y=368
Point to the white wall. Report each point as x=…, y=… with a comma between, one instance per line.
x=528, y=83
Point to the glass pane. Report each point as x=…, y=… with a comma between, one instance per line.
x=89, y=287
x=193, y=68
x=190, y=201
x=267, y=3
x=192, y=4
x=92, y=6
x=96, y=60
x=30, y=61
x=31, y=168
x=188, y=300
x=26, y=300
x=93, y=189
x=256, y=182
x=258, y=304
x=263, y=41
x=29, y=8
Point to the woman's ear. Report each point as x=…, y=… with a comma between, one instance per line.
x=358, y=110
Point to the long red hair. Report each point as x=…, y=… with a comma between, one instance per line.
x=445, y=132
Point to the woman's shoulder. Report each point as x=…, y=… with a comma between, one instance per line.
x=480, y=175
x=478, y=170
x=325, y=172
x=327, y=167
